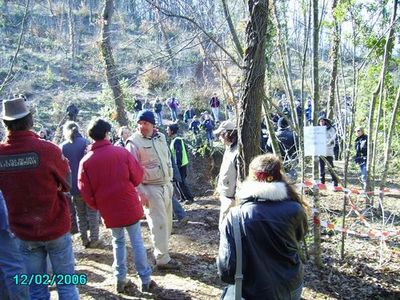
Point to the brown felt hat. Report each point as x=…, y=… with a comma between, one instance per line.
x=14, y=109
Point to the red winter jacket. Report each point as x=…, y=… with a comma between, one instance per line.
x=107, y=178
x=33, y=179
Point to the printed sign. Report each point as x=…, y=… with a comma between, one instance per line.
x=315, y=139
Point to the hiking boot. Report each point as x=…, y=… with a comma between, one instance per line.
x=183, y=221
x=122, y=284
x=95, y=244
x=147, y=287
x=171, y=265
x=85, y=242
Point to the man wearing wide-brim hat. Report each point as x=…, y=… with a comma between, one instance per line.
x=33, y=178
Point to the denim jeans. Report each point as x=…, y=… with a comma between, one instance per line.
x=11, y=264
x=363, y=169
x=159, y=118
x=177, y=208
x=62, y=260
x=139, y=252
x=215, y=111
x=174, y=114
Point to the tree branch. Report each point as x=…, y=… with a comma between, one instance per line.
x=171, y=14
x=14, y=60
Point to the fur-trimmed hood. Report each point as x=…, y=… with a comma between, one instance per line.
x=273, y=191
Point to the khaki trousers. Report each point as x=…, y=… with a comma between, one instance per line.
x=159, y=218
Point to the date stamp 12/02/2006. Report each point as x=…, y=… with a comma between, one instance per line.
x=50, y=279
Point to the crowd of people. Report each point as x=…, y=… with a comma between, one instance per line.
x=49, y=191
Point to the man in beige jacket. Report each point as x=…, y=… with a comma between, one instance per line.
x=151, y=150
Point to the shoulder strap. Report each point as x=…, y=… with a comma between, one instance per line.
x=238, y=246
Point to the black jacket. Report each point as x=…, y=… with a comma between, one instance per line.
x=287, y=142
x=361, y=145
x=272, y=227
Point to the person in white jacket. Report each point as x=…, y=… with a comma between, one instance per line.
x=227, y=180
x=330, y=145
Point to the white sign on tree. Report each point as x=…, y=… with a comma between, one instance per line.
x=315, y=141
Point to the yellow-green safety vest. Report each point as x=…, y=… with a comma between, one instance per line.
x=185, y=159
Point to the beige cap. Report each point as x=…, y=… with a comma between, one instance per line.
x=225, y=125
x=14, y=109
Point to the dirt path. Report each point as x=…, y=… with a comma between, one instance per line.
x=358, y=276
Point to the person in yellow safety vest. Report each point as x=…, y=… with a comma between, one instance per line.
x=179, y=153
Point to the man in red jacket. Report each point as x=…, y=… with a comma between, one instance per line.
x=33, y=178
x=107, y=178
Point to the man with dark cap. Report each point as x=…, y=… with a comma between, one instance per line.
x=34, y=175
x=180, y=155
x=150, y=149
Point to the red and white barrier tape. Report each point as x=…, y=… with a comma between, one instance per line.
x=370, y=234
x=352, y=190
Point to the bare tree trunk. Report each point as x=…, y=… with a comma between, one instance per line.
x=388, y=144
x=286, y=70
x=111, y=71
x=71, y=30
x=392, y=123
x=379, y=92
x=317, y=225
x=50, y=3
x=334, y=62
x=165, y=37
x=232, y=29
x=14, y=59
x=249, y=122
x=270, y=128
x=307, y=26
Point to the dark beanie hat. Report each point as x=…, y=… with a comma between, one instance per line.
x=174, y=128
x=282, y=123
x=146, y=115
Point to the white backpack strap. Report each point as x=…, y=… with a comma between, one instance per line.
x=238, y=246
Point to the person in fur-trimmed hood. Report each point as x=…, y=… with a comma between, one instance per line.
x=273, y=222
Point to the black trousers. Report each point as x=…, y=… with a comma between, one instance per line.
x=322, y=170
x=183, y=187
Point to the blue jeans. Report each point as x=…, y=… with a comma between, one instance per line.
x=62, y=260
x=174, y=114
x=363, y=169
x=177, y=208
x=11, y=264
x=139, y=252
x=158, y=118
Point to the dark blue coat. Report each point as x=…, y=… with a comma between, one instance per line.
x=272, y=227
x=74, y=152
